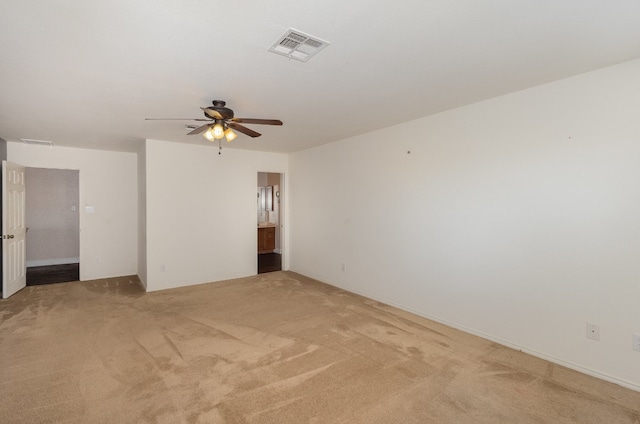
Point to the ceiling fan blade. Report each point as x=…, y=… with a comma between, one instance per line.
x=177, y=119
x=243, y=130
x=258, y=121
x=212, y=113
x=200, y=129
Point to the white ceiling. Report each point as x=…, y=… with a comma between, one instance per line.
x=88, y=73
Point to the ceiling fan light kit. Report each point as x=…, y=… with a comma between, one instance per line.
x=217, y=132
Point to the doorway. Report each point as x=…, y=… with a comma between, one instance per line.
x=53, y=225
x=269, y=213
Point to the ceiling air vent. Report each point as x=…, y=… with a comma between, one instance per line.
x=34, y=141
x=297, y=45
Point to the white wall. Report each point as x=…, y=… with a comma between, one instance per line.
x=200, y=212
x=108, y=182
x=517, y=218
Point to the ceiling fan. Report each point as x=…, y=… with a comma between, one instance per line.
x=220, y=122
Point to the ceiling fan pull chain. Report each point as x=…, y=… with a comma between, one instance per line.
x=219, y=147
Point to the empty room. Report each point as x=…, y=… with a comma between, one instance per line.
x=447, y=192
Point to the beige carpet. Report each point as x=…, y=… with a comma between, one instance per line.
x=275, y=348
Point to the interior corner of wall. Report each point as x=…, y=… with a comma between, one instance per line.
x=142, y=282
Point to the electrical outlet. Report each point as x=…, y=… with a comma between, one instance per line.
x=593, y=332
x=636, y=342
x=344, y=268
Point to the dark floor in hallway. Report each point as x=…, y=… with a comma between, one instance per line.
x=269, y=262
x=51, y=274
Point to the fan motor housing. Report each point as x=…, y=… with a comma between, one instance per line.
x=219, y=106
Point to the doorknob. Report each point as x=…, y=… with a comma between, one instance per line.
x=10, y=236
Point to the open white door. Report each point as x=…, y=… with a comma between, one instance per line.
x=14, y=271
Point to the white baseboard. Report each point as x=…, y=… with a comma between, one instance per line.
x=47, y=262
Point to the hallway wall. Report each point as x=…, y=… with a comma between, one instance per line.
x=201, y=212
x=108, y=204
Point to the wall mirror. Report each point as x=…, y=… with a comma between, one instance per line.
x=265, y=198
x=269, y=198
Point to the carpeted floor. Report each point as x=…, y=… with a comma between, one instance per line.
x=274, y=348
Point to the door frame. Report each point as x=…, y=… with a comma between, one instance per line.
x=281, y=200
x=76, y=188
